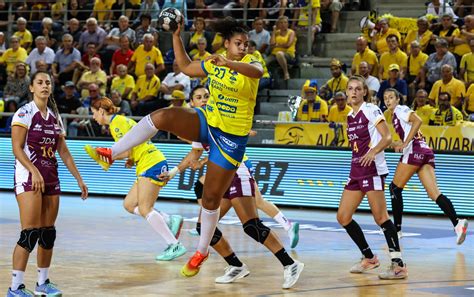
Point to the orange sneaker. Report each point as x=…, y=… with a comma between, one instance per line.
x=96, y=156
x=194, y=264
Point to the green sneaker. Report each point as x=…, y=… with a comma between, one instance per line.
x=175, y=224
x=173, y=251
x=294, y=234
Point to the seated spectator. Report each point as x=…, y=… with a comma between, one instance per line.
x=146, y=53
x=438, y=8
x=149, y=7
x=301, y=16
x=145, y=28
x=94, y=94
x=41, y=52
x=394, y=82
x=78, y=9
x=201, y=53
x=379, y=41
x=93, y=34
x=265, y=80
x=312, y=108
x=330, y=11
x=338, y=82
x=25, y=36
x=466, y=67
x=217, y=44
x=113, y=40
x=444, y=30
x=175, y=80
x=123, y=83
x=461, y=39
x=57, y=11
x=177, y=99
x=449, y=84
x=17, y=87
x=102, y=11
x=259, y=35
x=339, y=111
x=431, y=71
x=68, y=101
x=65, y=61
x=41, y=65
x=422, y=35
x=393, y=56
x=199, y=32
x=468, y=107
x=372, y=82
x=94, y=75
x=421, y=106
x=364, y=53
x=445, y=114
x=283, y=46
x=74, y=30
x=124, y=105
x=145, y=94
x=14, y=54
x=51, y=32
x=121, y=56
x=416, y=61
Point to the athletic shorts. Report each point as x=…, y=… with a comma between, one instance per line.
x=249, y=165
x=154, y=171
x=49, y=189
x=419, y=159
x=373, y=183
x=243, y=184
x=225, y=150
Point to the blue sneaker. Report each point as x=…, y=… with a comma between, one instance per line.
x=175, y=224
x=294, y=234
x=48, y=289
x=20, y=292
x=173, y=251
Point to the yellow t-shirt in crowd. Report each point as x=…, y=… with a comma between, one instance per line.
x=232, y=97
x=199, y=57
x=279, y=39
x=339, y=116
x=338, y=84
x=368, y=56
x=218, y=39
x=416, y=63
x=90, y=77
x=463, y=48
x=425, y=112
x=145, y=155
x=455, y=32
x=260, y=59
x=102, y=7
x=120, y=84
x=142, y=57
x=381, y=44
x=467, y=62
x=424, y=39
x=454, y=87
x=25, y=37
x=387, y=58
x=449, y=117
x=470, y=99
x=304, y=14
x=11, y=57
x=312, y=112
x=144, y=87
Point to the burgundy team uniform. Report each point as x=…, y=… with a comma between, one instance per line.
x=363, y=135
x=40, y=147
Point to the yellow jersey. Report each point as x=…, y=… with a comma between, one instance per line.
x=444, y=33
x=454, y=87
x=416, y=63
x=90, y=77
x=388, y=116
x=425, y=112
x=304, y=14
x=142, y=57
x=339, y=116
x=338, y=84
x=25, y=37
x=260, y=59
x=470, y=99
x=199, y=57
x=381, y=43
x=120, y=84
x=145, y=155
x=424, y=39
x=368, y=56
x=145, y=87
x=387, y=58
x=102, y=7
x=462, y=48
x=467, y=63
x=279, y=39
x=314, y=112
x=11, y=57
x=232, y=98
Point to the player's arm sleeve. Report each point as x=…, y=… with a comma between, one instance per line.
x=374, y=115
x=22, y=117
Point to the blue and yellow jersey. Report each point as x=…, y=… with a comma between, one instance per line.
x=233, y=96
x=145, y=155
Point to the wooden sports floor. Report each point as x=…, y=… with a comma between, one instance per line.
x=103, y=251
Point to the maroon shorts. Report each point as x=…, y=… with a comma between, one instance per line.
x=243, y=184
x=49, y=189
x=418, y=159
x=373, y=183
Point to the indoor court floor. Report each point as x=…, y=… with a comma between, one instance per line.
x=101, y=250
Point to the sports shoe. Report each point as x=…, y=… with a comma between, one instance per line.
x=461, y=230
x=96, y=155
x=194, y=264
x=48, y=289
x=399, y=234
x=294, y=233
x=20, y=292
x=395, y=271
x=233, y=273
x=173, y=251
x=365, y=264
x=291, y=274
x=175, y=224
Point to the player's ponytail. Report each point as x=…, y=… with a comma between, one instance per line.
x=106, y=104
x=230, y=26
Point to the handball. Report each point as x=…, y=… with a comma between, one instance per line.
x=169, y=19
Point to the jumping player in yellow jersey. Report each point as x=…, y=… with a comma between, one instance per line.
x=224, y=124
x=150, y=163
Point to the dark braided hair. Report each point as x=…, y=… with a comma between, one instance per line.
x=229, y=26
x=51, y=101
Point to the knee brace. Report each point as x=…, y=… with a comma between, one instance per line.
x=47, y=236
x=215, y=238
x=256, y=229
x=198, y=188
x=28, y=239
x=395, y=192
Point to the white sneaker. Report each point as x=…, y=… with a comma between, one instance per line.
x=400, y=234
x=365, y=265
x=461, y=231
x=291, y=274
x=233, y=273
x=394, y=272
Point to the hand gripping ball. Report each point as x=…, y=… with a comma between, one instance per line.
x=169, y=19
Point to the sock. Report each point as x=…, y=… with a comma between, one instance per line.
x=284, y=258
x=355, y=232
x=233, y=260
x=157, y=222
x=391, y=236
x=136, y=211
x=164, y=215
x=397, y=205
x=141, y=132
x=283, y=221
x=17, y=279
x=42, y=275
x=209, y=219
x=447, y=207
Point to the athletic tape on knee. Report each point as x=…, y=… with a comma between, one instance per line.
x=256, y=229
x=216, y=237
x=198, y=188
x=28, y=239
x=47, y=236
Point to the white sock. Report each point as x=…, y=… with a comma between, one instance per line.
x=136, y=211
x=209, y=219
x=141, y=132
x=164, y=215
x=283, y=221
x=42, y=275
x=17, y=279
x=157, y=222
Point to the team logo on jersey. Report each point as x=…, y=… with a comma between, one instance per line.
x=21, y=114
x=365, y=183
x=419, y=156
x=37, y=127
x=228, y=142
x=226, y=107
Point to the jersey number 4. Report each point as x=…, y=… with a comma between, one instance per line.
x=355, y=148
